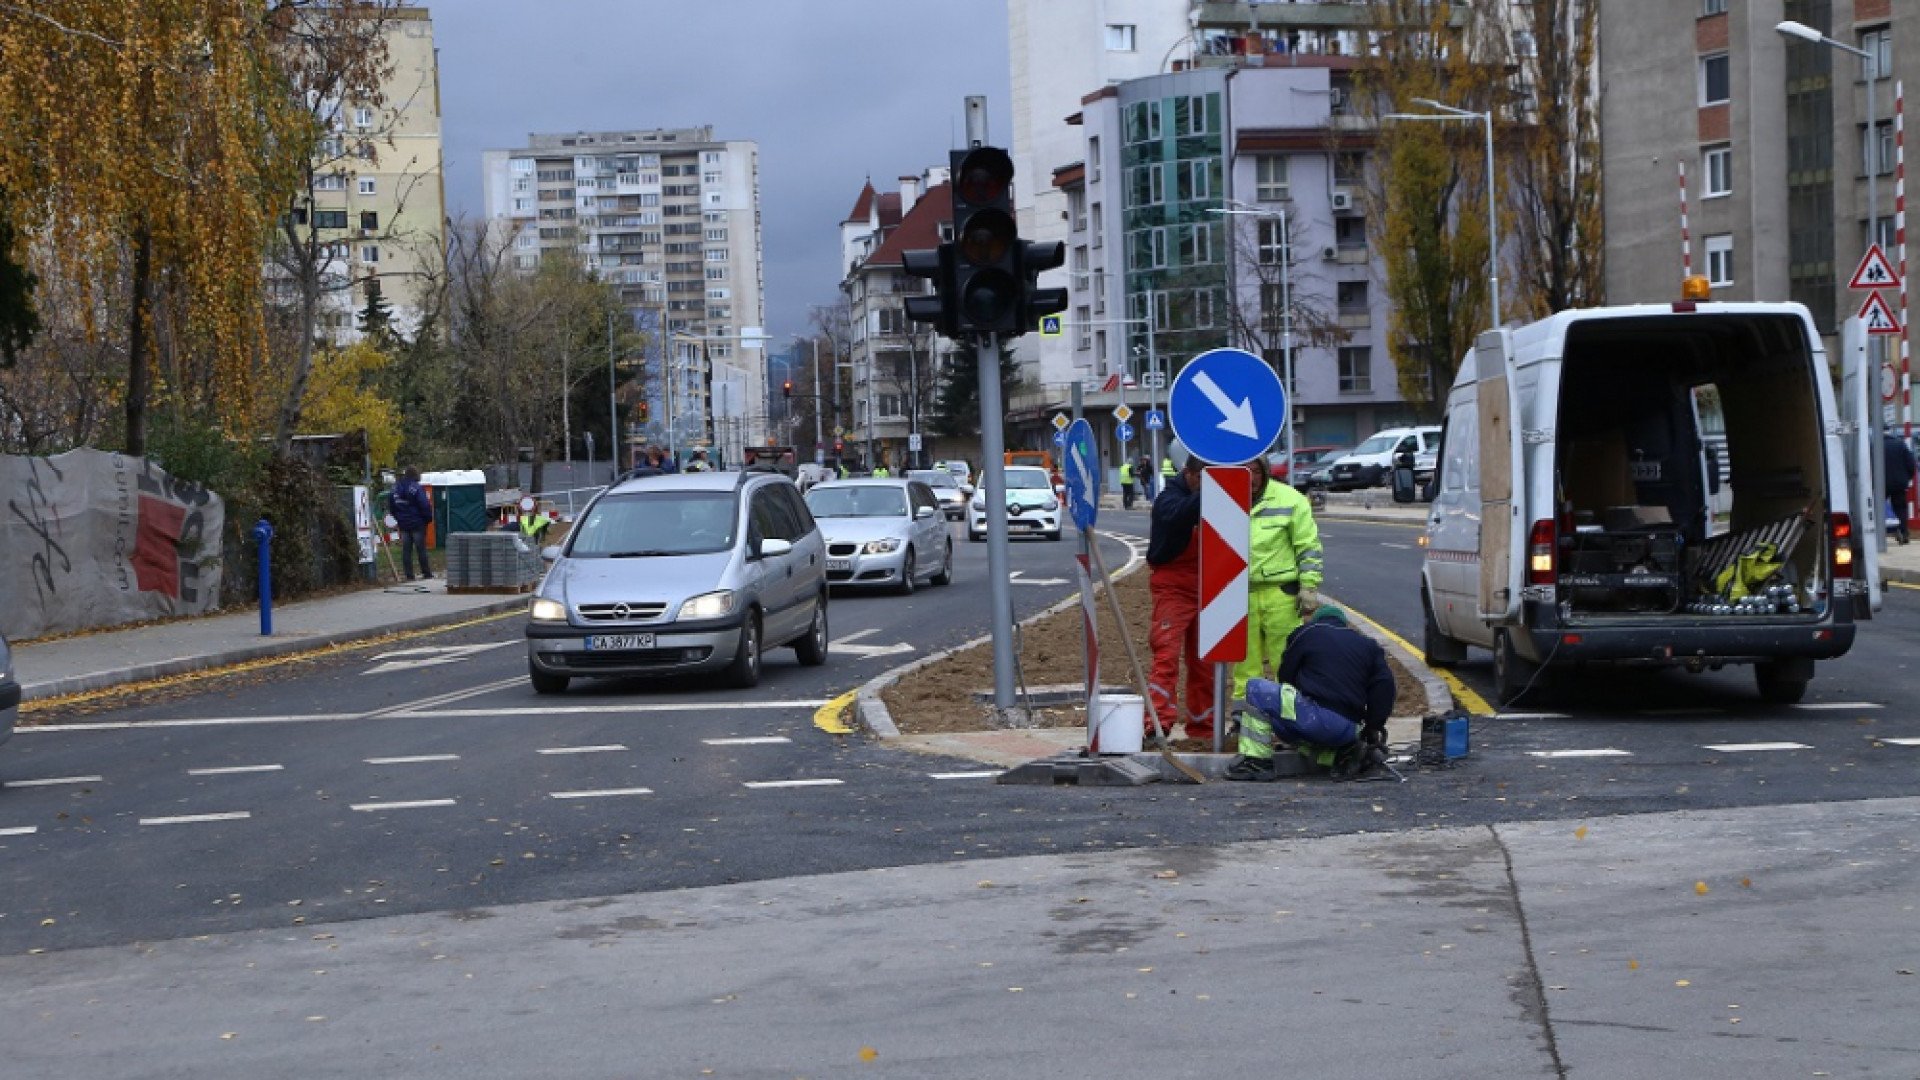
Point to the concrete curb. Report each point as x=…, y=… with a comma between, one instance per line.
x=186, y=665
x=871, y=712
x=1439, y=698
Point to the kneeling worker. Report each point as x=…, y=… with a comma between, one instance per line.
x=1331, y=696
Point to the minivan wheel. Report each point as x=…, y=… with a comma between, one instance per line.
x=1783, y=682
x=1513, y=675
x=945, y=576
x=744, y=672
x=812, y=649
x=543, y=683
x=1441, y=650
x=907, y=571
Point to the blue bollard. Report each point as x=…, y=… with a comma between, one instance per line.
x=263, y=535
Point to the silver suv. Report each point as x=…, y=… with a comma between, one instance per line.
x=688, y=572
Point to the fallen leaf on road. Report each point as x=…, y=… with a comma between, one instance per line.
x=868, y=1053
x=1633, y=965
x=1746, y=883
x=1682, y=982
x=46, y=922
x=1700, y=887
x=1167, y=875
x=1580, y=833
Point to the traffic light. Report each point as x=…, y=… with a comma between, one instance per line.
x=935, y=264
x=986, y=243
x=786, y=388
x=1036, y=302
x=645, y=410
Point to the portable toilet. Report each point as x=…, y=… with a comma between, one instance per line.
x=459, y=502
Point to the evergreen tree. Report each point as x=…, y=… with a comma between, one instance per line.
x=376, y=319
x=957, y=411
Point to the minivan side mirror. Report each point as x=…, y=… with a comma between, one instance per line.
x=550, y=553
x=774, y=546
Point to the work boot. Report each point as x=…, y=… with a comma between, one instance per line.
x=1258, y=770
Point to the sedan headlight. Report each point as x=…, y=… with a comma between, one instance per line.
x=881, y=547
x=1051, y=505
x=545, y=610
x=708, y=605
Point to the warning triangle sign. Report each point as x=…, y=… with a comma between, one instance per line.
x=1875, y=271
x=1878, y=315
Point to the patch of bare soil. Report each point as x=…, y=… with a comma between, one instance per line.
x=939, y=698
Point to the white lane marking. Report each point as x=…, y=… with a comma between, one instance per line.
x=749, y=740
x=1813, y=706
x=428, y=656
x=847, y=645
x=1578, y=753
x=760, y=784
x=50, y=781
x=1743, y=747
x=604, y=748
x=232, y=770
x=212, y=721
x=600, y=794
x=196, y=819
x=590, y=710
x=1014, y=578
x=1699, y=710
x=1530, y=716
x=417, y=759
x=1402, y=547
x=1896, y=742
x=20, y=830
x=981, y=775
x=417, y=804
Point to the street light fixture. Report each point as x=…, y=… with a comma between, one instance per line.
x=1241, y=209
x=1454, y=114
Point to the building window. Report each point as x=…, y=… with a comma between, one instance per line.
x=1350, y=232
x=370, y=253
x=368, y=186
x=1190, y=115
x=1148, y=187
x=362, y=117
x=1712, y=7
x=1082, y=332
x=1273, y=243
x=1077, y=210
x=1349, y=167
x=329, y=219
x=1203, y=309
x=1093, y=159
x=1196, y=245
x=1149, y=250
x=1876, y=148
x=1717, y=165
x=369, y=221
x=1194, y=180
x=716, y=273
x=1877, y=43
x=717, y=255
x=1715, y=76
x=330, y=182
x=1352, y=297
x=1143, y=122
x=1120, y=37
x=1523, y=43
x=1270, y=178
x=1098, y=228
x=1356, y=369
x=521, y=165
x=1720, y=260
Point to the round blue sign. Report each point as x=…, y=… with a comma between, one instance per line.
x=1123, y=431
x=1082, y=470
x=1227, y=406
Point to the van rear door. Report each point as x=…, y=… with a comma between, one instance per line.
x=1502, y=479
x=1859, y=393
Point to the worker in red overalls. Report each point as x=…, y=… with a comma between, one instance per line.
x=1173, y=558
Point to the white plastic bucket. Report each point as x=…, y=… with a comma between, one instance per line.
x=1119, y=725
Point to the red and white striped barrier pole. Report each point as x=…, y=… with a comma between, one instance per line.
x=1226, y=531
x=1686, y=238
x=1088, y=616
x=1900, y=241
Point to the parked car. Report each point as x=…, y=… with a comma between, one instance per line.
x=1303, y=457
x=810, y=474
x=681, y=573
x=1032, y=506
x=1370, y=463
x=883, y=532
x=9, y=692
x=953, y=501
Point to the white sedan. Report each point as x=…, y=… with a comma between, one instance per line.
x=882, y=532
x=1033, y=509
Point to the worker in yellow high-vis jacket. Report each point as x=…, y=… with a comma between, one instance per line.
x=1284, y=569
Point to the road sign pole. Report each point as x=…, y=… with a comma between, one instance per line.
x=993, y=449
x=1089, y=620
x=1226, y=497
x=1153, y=390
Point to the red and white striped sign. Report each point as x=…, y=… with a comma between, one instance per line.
x=1225, y=531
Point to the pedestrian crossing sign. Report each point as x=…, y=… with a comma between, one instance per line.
x=1874, y=272
x=1878, y=315
x=1051, y=326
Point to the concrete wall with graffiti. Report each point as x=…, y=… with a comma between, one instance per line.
x=91, y=538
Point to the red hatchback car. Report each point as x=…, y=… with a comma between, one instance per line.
x=1304, y=456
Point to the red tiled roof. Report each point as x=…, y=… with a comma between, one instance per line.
x=862, y=207
x=920, y=228
x=889, y=210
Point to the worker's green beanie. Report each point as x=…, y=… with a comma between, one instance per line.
x=1329, y=613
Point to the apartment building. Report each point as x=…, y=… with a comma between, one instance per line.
x=671, y=217
x=1772, y=132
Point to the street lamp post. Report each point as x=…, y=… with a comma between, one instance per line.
x=1877, y=415
x=1451, y=113
x=1286, y=309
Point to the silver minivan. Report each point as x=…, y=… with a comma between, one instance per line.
x=9, y=693
x=690, y=572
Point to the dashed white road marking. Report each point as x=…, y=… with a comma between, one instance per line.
x=1697, y=710
x=417, y=759
x=604, y=748
x=233, y=770
x=1815, y=706
x=1608, y=752
x=1743, y=747
x=1896, y=742
x=417, y=804
x=207, y=721
x=749, y=740
x=196, y=819
x=1402, y=547
x=51, y=781
x=590, y=710
x=603, y=793
x=980, y=775
x=760, y=784
x=1531, y=716
x=20, y=830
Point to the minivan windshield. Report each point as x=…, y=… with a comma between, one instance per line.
x=858, y=500
x=652, y=523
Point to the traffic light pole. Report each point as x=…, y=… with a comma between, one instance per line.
x=993, y=450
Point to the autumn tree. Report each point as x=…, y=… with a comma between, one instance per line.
x=345, y=395
x=1276, y=293
x=1555, y=170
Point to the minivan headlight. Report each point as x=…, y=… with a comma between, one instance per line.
x=881, y=546
x=545, y=610
x=708, y=605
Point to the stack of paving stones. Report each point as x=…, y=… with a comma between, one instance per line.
x=495, y=562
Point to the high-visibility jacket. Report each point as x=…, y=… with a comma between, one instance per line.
x=1285, y=543
x=1166, y=468
x=1126, y=472
x=881, y=470
x=532, y=525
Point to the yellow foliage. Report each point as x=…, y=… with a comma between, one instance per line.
x=343, y=395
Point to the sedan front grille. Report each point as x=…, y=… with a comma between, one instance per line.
x=841, y=551
x=635, y=611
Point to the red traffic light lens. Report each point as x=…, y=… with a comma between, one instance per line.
x=986, y=237
x=985, y=176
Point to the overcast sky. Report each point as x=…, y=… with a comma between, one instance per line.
x=834, y=91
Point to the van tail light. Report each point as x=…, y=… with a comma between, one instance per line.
x=1840, y=533
x=1540, y=545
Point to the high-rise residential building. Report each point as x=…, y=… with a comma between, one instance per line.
x=1772, y=132
x=379, y=198
x=671, y=217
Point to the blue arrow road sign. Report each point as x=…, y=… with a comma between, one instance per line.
x=1124, y=432
x=1083, y=474
x=1155, y=421
x=1060, y=439
x=1227, y=406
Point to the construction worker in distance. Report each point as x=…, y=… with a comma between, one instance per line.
x=1166, y=467
x=1330, y=700
x=1284, y=568
x=533, y=523
x=880, y=469
x=698, y=462
x=1126, y=484
x=1173, y=560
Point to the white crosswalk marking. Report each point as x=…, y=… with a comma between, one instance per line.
x=980, y=775
x=417, y=804
x=749, y=740
x=762, y=784
x=234, y=770
x=1896, y=742
x=20, y=830
x=1741, y=748
x=604, y=748
x=51, y=781
x=1829, y=706
x=196, y=819
x=417, y=759
x=603, y=793
x=1578, y=753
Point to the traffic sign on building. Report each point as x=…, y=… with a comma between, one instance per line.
x=1227, y=406
x=1226, y=497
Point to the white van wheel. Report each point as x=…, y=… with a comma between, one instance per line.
x=1783, y=682
x=1441, y=650
x=1513, y=675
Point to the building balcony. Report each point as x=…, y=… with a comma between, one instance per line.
x=1356, y=320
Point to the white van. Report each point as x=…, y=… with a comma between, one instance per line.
x=1369, y=464
x=1578, y=514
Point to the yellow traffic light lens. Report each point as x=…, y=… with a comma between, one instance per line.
x=986, y=237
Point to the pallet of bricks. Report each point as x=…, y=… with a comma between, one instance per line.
x=491, y=562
